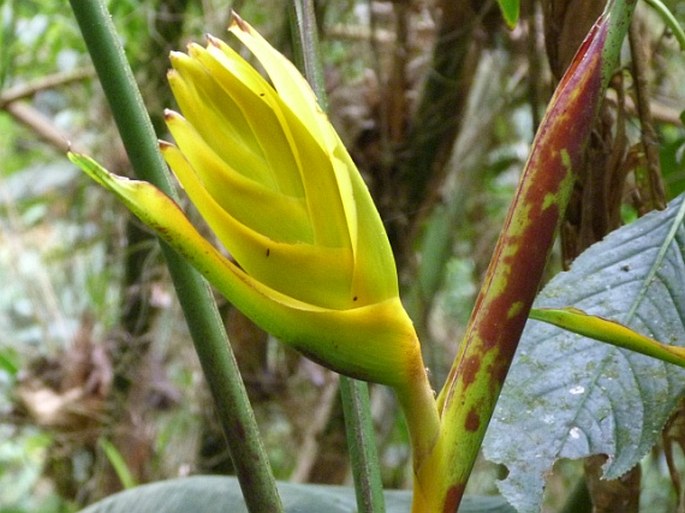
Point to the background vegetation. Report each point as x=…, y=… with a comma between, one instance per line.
x=437, y=101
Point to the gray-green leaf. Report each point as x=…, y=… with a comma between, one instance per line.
x=569, y=397
x=220, y=494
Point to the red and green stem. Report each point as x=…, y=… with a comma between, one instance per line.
x=468, y=398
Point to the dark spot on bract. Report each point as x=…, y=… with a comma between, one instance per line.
x=268, y=251
x=470, y=369
x=453, y=498
x=472, y=421
x=355, y=298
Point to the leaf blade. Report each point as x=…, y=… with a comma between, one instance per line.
x=215, y=494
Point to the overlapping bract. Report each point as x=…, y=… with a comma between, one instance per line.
x=273, y=180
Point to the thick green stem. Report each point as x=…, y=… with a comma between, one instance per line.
x=354, y=394
x=204, y=322
x=469, y=396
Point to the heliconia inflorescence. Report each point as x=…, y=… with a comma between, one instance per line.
x=309, y=259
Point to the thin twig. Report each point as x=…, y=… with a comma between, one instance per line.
x=661, y=112
x=397, y=86
x=535, y=71
x=21, y=91
x=32, y=118
x=40, y=124
x=309, y=448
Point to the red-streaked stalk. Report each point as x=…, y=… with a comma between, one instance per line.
x=468, y=398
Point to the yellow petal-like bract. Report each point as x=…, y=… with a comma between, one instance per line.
x=269, y=174
x=309, y=257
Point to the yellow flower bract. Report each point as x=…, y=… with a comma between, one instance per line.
x=271, y=177
x=311, y=262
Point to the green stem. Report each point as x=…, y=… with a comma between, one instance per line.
x=361, y=441
x=671, y=22
x=354, y=394
x=609, y=332
x=205, y=324
x=307, y=45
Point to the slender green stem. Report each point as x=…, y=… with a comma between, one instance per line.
x=362, y=444
x=609, y=332
x=354, y=394
x=307, y=44
x=670, y=20
x=202, y=316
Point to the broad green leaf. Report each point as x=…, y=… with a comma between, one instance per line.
x=510, y=11
x=220, y=494
x=567, y=396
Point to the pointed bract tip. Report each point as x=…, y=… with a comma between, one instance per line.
x=178, y=58
x=170, y=114
x=211, y=40
x=237, y=21
x=195, y=49
x=164, y=145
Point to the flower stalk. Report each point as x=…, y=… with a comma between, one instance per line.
x=204, y=322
